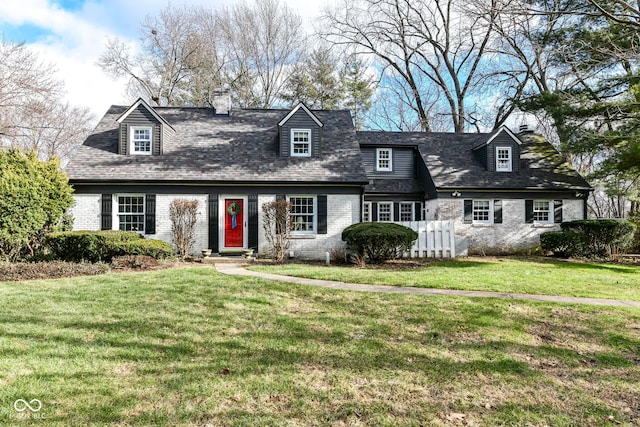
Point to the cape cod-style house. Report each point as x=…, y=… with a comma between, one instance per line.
x=500, y=189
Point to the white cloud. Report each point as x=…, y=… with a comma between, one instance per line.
x=73, y=40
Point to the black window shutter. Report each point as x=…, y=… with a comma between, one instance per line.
x=374, y=212
x=150, y=214
x=252, y=210
x=497, y=211
x=279, y=197
x=213, y=223
x=322, y=214
x=417, y=214
x=528, y=211
x=106, y=212
x=557, y=211
x=396, y=211
x=468, y=211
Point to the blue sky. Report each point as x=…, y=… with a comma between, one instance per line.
x=72, y=34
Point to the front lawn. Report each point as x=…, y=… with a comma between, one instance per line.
x=190, y=346
x=542, y=277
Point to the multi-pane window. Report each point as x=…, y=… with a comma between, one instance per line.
x=541, y=211
x=383, y=159
x=303, y=209
x=385, y=210
x=482, y=211
x=131, y=213
x=300, y=142
x=140, y=140
x=406, y=211
x=503, y=159
x=366, y=212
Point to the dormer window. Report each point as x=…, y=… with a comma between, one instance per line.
x=140, y=140
x=503, y=159
x=384, y=159
x=300, y=142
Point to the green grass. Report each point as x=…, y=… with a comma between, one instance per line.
x=190, y=346
x=542, y=277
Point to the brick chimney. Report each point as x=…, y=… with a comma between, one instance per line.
x=222, y=102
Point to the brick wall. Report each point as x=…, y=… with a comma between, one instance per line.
x=86, y=216
x=342, y=211
x=513, y=234
x=163, y=221
x=86, y=212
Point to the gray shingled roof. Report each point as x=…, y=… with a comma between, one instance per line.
x=242, y=147
x=452, y=163
x=394, y=186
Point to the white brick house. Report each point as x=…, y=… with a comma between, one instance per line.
x=501, y=189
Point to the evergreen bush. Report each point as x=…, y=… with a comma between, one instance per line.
x=97, y=246
x=592, y=238
x=379, y=241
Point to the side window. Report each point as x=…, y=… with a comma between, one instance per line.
x=140, y=140
x=482, y=212
x=131, y=213
x=384, y=159
x=406, y=211
x=300, y=143
x=366, y=212
x=503, y=159
x=385, y=211
x=303, y=214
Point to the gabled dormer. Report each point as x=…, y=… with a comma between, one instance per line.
x=300, y=133
x=142, y=130
x=500, y=152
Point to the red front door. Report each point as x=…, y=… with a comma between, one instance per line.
x=233, y=223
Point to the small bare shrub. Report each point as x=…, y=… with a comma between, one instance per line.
x=184, y=215
x=277, y=227
x=358, y=260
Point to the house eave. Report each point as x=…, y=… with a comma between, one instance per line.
x=182, y=183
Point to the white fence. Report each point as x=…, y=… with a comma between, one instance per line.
x=436, y=239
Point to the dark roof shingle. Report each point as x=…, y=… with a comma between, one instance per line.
x=242, y=147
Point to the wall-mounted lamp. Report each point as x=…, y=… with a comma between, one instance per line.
x=455, y=194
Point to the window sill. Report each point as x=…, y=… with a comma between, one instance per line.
x=303, y=236
x=483, y=224
x=543, y=225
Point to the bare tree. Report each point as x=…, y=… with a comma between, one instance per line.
x=32, y=114
x=177, y=62
x=424, y=44
x=264, y=40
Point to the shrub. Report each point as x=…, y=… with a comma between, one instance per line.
x=602, y=237
x=34, y=196
x=379, y=240
x=134, y=261
x=277, y=227
x=563, y=244
x=589, y=238
x=184, y=215
x=157, y=249
x=47, y=270
x=96, y=246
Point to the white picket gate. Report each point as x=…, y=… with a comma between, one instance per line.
x=436, y=239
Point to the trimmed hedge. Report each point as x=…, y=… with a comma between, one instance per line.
x=102, y=246
x=380, y=241
x=591, y=238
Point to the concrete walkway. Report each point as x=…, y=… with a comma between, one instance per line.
x=239, y=270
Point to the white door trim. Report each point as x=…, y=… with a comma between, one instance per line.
x=221, y=217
